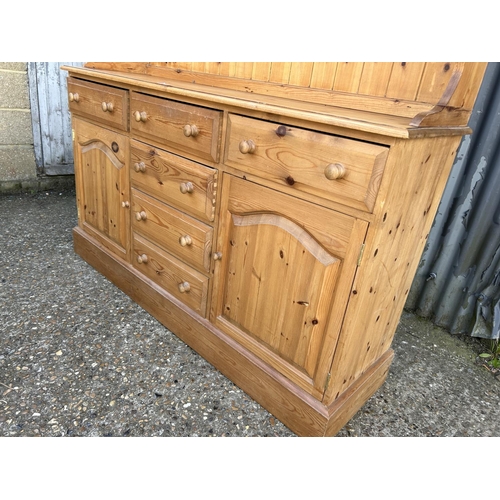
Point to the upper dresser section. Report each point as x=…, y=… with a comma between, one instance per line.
x=395, y=99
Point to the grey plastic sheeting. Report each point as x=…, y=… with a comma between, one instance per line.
x=457, y=284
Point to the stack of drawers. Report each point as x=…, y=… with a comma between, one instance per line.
x=172, y=198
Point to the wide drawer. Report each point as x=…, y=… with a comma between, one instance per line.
x=184, y=184
x=185, y=127
x=176, y=232
x=106, y=105
x=342, y=170
x=177, y=278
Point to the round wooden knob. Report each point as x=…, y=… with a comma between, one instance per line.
x=107, y=106
x=74, y=97
x=247, y=147
x=191, y=130
x=185, y=240
x=125, y=204
x=335, y=171
x=140, y=167
x=141, y=215
x=142, y=259
x=184, y=287
x=217, y=255
x=186, y=187
x=281, y=131
x=140, y=116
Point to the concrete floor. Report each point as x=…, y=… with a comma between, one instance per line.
x=79, y=358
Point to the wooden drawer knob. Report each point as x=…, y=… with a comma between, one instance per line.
x=185, y=240
x=186, y=187
x=74, y=97
x=125, y=204
x=140, y=167
x=142, y=259
x=247, y=147
x=217, y=255
x=107, y=106
x=184, y=287
x=191, y=130
x=335, y=171
x=141, y=215
x=140, y=116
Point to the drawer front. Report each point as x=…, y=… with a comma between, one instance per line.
x=100, y=103
x=184, y=283
x=176, y=232
x=186, y=185
x=182, y=126
x=342, y=170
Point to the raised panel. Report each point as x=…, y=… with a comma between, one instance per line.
x=286, y=266
x=278, y=286
x=101, y=161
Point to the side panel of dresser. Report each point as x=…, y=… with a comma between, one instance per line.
x=417, y=171
x=103, y=187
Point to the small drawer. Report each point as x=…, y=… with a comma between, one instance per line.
x=343, y=170
x=178, y=279
x=187, y=128
x=178, y=233
x=186, y=185
x=106, y=105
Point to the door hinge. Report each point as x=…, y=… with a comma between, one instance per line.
x=328, y=377
x=73, y=134
x=360, y=256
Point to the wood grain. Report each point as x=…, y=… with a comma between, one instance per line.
x=284, y=253
x=165, y=226
x=165, y=173
x=166, y=121
x=103, y=185
x=169, y=272
x=394, y=244
x=300, y=157
x=279, y=277
x=91, y=97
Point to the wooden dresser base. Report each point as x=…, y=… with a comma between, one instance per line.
x=300, y=412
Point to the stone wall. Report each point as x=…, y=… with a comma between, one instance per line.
x=17, y=157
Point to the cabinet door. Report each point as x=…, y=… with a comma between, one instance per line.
x=103, y=191
x=284, y=270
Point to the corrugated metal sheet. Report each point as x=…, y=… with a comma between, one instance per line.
x=50, y=117
x=457, y=284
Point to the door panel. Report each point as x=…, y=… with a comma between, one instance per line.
x=286, y=267
x=282, y=272
x=101, y=158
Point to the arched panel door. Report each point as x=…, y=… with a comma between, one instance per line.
x=103, y=197
x=284, y=268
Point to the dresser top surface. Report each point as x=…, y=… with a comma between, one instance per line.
x=437, y=98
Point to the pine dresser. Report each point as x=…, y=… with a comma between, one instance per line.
x=271, y=215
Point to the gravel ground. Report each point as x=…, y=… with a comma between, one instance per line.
x=79, y=358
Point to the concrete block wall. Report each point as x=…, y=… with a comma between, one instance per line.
x=17, y=157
